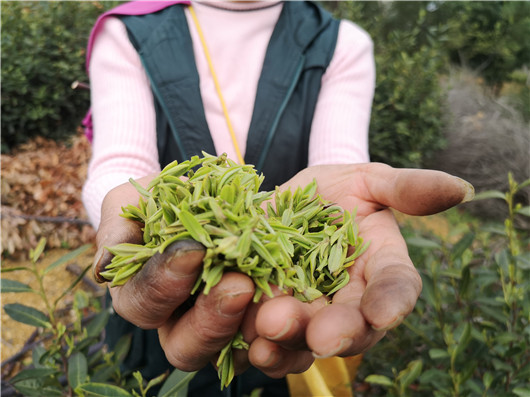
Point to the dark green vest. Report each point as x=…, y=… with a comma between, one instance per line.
x=300, y=49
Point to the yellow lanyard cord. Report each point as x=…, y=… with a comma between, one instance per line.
x=217, y=86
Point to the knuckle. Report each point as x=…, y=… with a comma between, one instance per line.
x=214, y=335
x=134, y=310
x=184, y=362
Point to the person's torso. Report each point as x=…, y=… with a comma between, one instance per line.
x=278, y=110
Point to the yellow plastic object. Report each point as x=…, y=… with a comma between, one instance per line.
x=327, y=377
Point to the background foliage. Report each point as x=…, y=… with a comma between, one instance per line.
x=68, y=352
x=43, y=48
x=486, y=36
x=469, y=334
x=406, y=124
x=415, y=44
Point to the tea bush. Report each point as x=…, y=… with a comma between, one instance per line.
x=69, y=357
x=414, y=44
x=469, y=334
x=406, y=123
x=486, y=37
x=43, y=50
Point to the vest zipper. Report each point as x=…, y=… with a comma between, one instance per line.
x=272, y=131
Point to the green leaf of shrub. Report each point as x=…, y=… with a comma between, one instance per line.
x=524, y=211
x=68, y=257
x=27, y=315
x=156, y=381
x=524, y=184
x=428, y=292
x=502, y=258
x=451, y=273
x=522, y=391
x=102, y=389
x=104, y=373
x=463, y=340
x=33, y=373
x=39, y=391
x=36, y=356
x=35, y=254
x=96, y=325
x=409, y=374
x=421, y=242
x=489, y=194
x=435, y=377
x=465, y=282
x=77, y=369
x=7, y=285
x=493, y=313
x=463, y=244
x=523, y=261
x=438, y=353
x=379, y=380
x=122, y=347
x=14, y=269
x=72, y=285
x=487, y=379
x=176, y=384
x=195, y=229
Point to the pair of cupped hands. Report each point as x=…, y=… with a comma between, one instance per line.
x=284, y=334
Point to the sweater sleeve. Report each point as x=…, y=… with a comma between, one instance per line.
x=124, y=118
x=339, y=132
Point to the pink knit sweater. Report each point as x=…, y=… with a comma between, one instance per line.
x=237, y=35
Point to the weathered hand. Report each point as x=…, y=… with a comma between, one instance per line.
x=158, y=296
x=384, y=284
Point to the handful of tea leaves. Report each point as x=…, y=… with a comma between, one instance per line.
x=296, y=241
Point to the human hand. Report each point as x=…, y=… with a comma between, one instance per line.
x=158, y=297
x=284, y=328
x=384, y=284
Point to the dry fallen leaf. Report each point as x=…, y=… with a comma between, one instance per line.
x=44, y=178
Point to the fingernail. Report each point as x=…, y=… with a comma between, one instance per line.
x=183, y=247
x=98, y=266
x=288, y=326
x=344, y=344
x=183, y=258
x=469, y=190
x=271, y=361
x=228, y=305
x=390, y=326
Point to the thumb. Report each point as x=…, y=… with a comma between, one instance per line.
x=375, y=186
x=416, y=191
x=114, y=229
